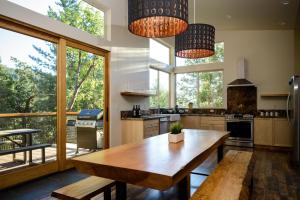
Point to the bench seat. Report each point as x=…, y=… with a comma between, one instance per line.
x=27, y=148
x=85, y=189
x=231, y=180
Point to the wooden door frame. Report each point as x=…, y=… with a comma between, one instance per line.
x=61, y=163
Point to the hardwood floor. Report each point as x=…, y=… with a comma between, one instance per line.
x=274, y=178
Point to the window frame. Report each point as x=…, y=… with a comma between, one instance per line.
x=61, y=163
x=158, y=84
x=106, y=18
x=200, y=71
x=201, y=64
x=165, y=45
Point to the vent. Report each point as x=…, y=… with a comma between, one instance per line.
x=241, y=80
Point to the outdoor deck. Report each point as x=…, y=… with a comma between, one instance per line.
x=7, y=163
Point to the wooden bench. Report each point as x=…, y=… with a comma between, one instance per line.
x=231, y=180
x=85, y=189
x=25, y=149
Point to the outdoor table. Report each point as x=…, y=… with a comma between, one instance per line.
x=26, y=138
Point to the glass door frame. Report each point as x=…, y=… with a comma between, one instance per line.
x=61, y=163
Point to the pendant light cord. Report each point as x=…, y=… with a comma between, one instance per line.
x=194, y=11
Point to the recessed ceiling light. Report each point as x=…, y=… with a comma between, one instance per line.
x=228, y=16
x=282, y=23
x=285, y=2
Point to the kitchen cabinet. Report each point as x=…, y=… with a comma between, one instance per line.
x=272, y=132
x=203, y=122
x=137, y=130
x=263, y=131
x=213, y=123
x=282, y=133
x=191, y=122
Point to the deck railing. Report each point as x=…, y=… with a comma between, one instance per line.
x=46, y=121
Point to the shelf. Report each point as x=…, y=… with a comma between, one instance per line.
x=274, y=95
x=140, y=94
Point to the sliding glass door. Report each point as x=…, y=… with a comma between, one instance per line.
x=27, y=101
x=46, y=80
x=85, y=90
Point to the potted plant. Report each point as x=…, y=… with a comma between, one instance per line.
x=176, y=134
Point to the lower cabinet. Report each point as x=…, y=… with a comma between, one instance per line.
x=263, y=131
x=191, y=122
x=272, y=132
x=137, y=130
x=283, y=135
x=203, y=122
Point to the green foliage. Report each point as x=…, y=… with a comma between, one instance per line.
x=25, y=89
x=203, y=89
x=176, y=128
x=80, y=15
x=217, y=57
x=162, y=98
x=32, y=88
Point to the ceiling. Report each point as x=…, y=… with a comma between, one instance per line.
x=245, y=14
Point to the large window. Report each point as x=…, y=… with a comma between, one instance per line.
x=159, y=52
x=217, y=58
x=27, y=98
x=159, y=82
x=76, y=13
x=203, y=89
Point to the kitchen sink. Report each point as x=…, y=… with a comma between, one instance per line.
x=172, y=117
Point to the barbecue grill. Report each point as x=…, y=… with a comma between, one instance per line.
x=87, y=123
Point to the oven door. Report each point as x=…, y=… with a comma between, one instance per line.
x=240, y=130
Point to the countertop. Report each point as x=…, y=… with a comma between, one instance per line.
x=143, y=118
x=204, y=115
x=151, y=117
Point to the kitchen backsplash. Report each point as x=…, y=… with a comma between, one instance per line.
x=242, y=99
x=258, y=113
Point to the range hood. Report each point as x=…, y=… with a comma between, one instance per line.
x=241, y=80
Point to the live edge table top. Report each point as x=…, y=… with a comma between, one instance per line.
x=154, y=162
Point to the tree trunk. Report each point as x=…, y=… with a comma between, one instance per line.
x=78, y=84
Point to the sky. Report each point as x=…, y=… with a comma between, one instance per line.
x=18, y=45
x=40, y=6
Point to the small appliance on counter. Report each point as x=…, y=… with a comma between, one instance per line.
x=136, y=111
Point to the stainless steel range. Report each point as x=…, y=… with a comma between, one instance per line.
x=240, y=127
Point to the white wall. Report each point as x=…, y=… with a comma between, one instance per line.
x=270, y=57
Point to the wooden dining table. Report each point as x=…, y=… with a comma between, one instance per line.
x=154, y=162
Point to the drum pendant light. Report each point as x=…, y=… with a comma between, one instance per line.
x=197, y=42
x=157, y=18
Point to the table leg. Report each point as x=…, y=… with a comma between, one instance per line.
x=184, y=188
x=121, y=191
x=30, y=144
x=220, y=152
x=24, y=143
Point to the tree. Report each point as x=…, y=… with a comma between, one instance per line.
x=217, y=57
x=203, y=89
x=84, y=70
